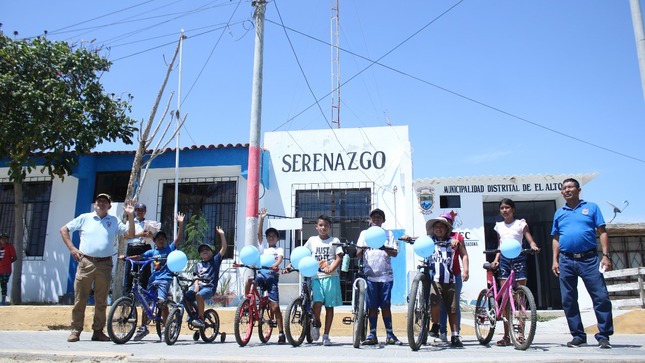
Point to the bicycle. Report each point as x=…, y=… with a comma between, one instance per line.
x=521, y=314
x=253, y=308
x=299, y=317
x=208, y=332
x=123, y=317
x=419, y=313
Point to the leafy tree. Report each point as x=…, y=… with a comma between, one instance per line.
x=53, y=108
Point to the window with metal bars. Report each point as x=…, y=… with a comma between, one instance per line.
x=36, y=199
x=216, y=197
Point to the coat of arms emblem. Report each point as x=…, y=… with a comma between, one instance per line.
x=426, y=199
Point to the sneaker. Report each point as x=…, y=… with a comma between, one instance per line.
x=74, y=336
x=455, y=341
x=315, y=331
x=576, y=343
x=370, y=340
x=604, y=344
x=141, y=332
x=99, y=336
x=393, y=340
x=326, y=341
x=434, y=331
x=442, y=338
x=198, y=323
x=281, y=338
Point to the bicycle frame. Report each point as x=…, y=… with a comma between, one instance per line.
x=503, y=294
x=145, y=298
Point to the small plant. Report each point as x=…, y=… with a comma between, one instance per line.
x=196, y=231
x=224, y=286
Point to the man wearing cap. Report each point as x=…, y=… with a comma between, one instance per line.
x=7, y=257
x=98, y=233
x=380, y=280
x=137, y=245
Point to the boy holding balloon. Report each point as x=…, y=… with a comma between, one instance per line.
x=513, y=230
x=326, y=284
x=271, y=255
x=380, y=277
x=161, y=276
x=208, y=271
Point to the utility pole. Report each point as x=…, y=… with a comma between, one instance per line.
x=253, y=180
x=637, y=20
x=335, y=63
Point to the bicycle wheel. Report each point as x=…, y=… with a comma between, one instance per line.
x=418, y=314
x=485, y=317
x=243, y=322
x=122, y=320
x=211, y=328
x=360, y=326
x=295, y=322
x=173, y=326
x=266, y=322
x=523, y=320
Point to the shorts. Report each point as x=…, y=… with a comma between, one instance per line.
x=327, y=291
x=206, y=292
x=518, y=264
x=162, y=287
x=269, y=283
x=378, y=294
x=446, y=292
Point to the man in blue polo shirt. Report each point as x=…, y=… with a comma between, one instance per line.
x=98, y=233
x=575, y=255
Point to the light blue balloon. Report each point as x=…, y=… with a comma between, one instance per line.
x=510, y=248
x=424, y=246
x=176, y=261
x=297, y=254
x=375, y=237
x=308, y=266
x=267, y=260
x=249, y=255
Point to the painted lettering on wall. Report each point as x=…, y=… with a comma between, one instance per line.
x=300, y=163
x=502, y=188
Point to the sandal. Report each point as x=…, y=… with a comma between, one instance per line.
x=505, y=342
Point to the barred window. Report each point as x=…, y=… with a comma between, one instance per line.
x=215, y=197
x=36, y=199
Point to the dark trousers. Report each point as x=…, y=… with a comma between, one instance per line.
x=134, y=250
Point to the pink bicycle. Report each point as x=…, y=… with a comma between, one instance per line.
x=521, y=314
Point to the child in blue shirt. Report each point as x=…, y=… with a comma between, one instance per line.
x=207, y=269
x=161, y=276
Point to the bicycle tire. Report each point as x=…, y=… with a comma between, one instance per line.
x=485, y=317
x=173, y=326
x=418, y=314
x=243, y=322
x=122, y=320
x=211, y=326
x=522, y=322
x=295, y=322
x=266, y=322
x=359, y=313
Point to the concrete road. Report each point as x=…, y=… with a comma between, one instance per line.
x=32, y=346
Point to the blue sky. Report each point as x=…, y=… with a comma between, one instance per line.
x=500, y=87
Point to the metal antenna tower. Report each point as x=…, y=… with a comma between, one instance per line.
x=335, y=63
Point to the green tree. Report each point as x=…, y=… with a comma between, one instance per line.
x=53, y=108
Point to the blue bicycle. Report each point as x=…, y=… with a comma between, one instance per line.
x=123, y=317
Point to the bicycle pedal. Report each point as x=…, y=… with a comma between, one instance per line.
x=347, y=320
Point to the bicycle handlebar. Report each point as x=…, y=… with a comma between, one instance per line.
x=345, y=245
x=255, y=268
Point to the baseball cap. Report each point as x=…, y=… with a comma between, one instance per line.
x=379, y=212
x=271, y=229
x=140, y=206
x=104, y=195
x=202, y=246
x=159, y=233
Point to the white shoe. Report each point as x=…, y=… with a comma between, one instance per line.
x=141, y=332
x=443, y=338
x=326, y=340
x=315, y=332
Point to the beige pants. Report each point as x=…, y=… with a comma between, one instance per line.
x=90, y=274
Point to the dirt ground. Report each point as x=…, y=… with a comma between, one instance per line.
x=57, y=317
